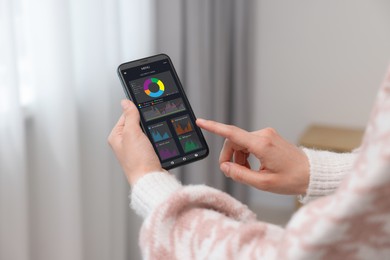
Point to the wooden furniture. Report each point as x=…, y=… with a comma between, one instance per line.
x=330, y=138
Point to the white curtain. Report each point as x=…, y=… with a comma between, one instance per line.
x=62, y=194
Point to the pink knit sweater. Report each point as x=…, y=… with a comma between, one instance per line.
x=351, y=220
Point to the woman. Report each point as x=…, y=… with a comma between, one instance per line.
x=351, y=220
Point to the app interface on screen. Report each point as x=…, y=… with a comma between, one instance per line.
x=164, y=112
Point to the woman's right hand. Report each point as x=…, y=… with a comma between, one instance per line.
x=284, y=168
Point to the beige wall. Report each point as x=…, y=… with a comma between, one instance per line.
x=317, y=61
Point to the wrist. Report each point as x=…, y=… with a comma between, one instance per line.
x=134, y=175
x=151, y=190
x=305, y=173
x=132, y=178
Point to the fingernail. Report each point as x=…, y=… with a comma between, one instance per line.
x=125, y=104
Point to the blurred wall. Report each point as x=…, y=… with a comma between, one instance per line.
x=317, y=62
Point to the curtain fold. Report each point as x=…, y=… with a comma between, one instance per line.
x=209, y=44
x=14, y=233
x=54, y=166
x=62, y=192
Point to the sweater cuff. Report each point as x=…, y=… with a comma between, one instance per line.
x=327, y=170
x=151, y=190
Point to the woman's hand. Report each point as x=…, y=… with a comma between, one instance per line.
x=284, y=167
x=131, y=146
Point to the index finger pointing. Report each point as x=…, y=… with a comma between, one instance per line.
x=235, y=134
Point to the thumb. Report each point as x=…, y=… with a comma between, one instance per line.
x=130, y=113
x=239, y=173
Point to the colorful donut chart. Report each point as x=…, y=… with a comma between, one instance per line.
x=154, y=94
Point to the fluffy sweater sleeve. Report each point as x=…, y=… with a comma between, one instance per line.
x=327, y=170
x=198, y=222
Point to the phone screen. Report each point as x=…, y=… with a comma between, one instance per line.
x=166, y=115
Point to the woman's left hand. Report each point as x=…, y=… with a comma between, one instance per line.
x=131, y=146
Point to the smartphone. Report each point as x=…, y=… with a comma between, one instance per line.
x=166, y=115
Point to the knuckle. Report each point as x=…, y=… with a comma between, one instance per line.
x=265, y=139
x=110, y=139
x=260, y=144
x=269, y=131
x=237, y=175
x=264, y=143
x=129, y=113
x=226, y=142
x=266, y=185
